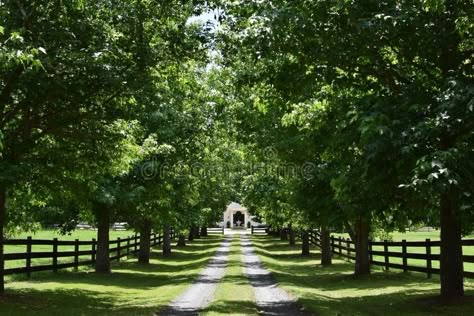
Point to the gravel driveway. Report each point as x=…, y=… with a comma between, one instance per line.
x=270, y=298
x=201, y=292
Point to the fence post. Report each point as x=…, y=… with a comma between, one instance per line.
x=371, y=256
x=55, y=255
x=135, y=243
x=28, y=256
x=251, y=229
x=76, y=254
x=333, y=250
x=404, y=255
x=128, y=246
x=339, y=243
x=428, y=257
x=93, y=250
x=385, y=253
x=348, y=247
x=118, y=249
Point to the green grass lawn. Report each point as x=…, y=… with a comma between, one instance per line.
x=131, y=289
x=83, y=235
x=234, y=294
x=335, y=291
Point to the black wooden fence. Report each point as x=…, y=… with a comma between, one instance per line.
x=76, y=256
x=396, y=254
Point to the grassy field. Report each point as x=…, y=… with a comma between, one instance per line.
x=83, y=235
x=131, y=289
x=418, y=236
x=335, y=291
x=234, y=294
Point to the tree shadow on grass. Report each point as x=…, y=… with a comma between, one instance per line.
x=232, y=307
x=334, y=290
x=74, y=302
x=88, y=293
x=406, y=302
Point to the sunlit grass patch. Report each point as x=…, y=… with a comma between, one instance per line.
x=132, y=289
x=335, y=291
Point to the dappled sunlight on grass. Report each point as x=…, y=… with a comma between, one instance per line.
x=335, y=290
x=132, y=288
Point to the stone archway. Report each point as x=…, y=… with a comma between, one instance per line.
x=238, y=219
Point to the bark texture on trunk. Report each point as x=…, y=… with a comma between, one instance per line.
x=166, y=241
x=362, y=261
x=181, y=241
x=283, y=234
x=204, y=231
x=191, y=234
x=102, y=264
x=196, y=232
x=451, y=265
x=305, y=243
x=326, y=254
x=451, y=262
x=145, y=235
x=291, y=235
x=3, y=211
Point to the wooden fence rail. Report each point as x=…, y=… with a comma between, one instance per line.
x=395, y=254
x=215, y=230
x=118, y=248
x=259, y=230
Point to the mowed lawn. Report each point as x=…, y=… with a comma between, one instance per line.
x=335, y=291
x=132, y=289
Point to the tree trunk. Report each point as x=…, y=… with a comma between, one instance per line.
x=191, y=234
x=451, y=262
x=203, y=231
x=181, y=241
x=291, y=234
x=3, y=211
x=145, y=235
x=102, y=264
x=283, y=234
x=305, y=243
x=166, y=241
x=196, y=232
x=326, y=254
x=362, y=264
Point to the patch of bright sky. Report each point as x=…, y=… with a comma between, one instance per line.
x=203, y=18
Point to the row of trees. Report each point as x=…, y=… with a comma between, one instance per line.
x=333, y=114
x=372, y=103
x=103, y=117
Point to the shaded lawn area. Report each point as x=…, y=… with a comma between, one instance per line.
x=131, y=289
x=234, y=294
x=335, y=291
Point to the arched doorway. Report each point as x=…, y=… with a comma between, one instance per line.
x=238, y=219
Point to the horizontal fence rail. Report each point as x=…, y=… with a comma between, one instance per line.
x=259, y=230
x=396, y=254
x=215, y=230
x=118, y=248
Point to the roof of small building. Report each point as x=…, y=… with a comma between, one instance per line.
x=236, y=207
